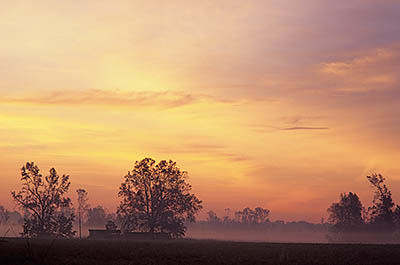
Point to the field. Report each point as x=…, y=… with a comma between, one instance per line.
x=22, y=251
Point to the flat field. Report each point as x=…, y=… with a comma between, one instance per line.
x=23, y=251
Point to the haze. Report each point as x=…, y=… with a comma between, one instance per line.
x=278, y=104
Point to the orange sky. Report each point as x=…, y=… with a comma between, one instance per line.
x=278, y=104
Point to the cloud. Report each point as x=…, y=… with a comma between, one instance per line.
x=304, y=128
x=93, y=97
x=204, y=149
x=293, y=123
x=375, y=69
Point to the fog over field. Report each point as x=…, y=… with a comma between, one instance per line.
x=259, y=234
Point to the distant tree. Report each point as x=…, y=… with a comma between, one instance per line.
x=396, y=214
x=96, y=217
x=157, y=198
x=110, y=225
x=83, y=207
x=9, y=217
x=44, y=200
x=381, y=213
x=261, y=215
x=249, y=216
x=226, y=218
x=4, y=215
x=346, y=215
x=213, y=218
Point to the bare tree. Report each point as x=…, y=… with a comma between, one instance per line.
x=157, y=198
x=381, y=213
x=83, y=207
x=45, y=202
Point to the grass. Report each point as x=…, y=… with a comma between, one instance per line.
x=23, y=251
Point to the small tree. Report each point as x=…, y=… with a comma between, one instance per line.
x=346, y=215
x=45, y=202
x=110, y=225
x=83, y=207
x=381, y=213
x=157, y=198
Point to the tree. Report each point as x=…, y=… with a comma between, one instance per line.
x=261, y=215
x=381, y=213
x=83, y=207
x=110, y=225
x=213, y=218
x=96, y=217
x=44, y=200
x=346, y=215
x=249, y=216
x=4, y=215
x=226, y=218
x=397, y=217
x=157, y=198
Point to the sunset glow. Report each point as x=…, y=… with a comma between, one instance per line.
x=278, y=104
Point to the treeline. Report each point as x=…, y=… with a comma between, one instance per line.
x=155, y=198
x=254, y=225
x=96, y=217
x=246, y=216
x=348, y=221
x=352, y=222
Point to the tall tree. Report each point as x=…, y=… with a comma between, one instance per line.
x=346, y=215
x=381, y=213
x=45, y=201
x=83, y=207
x=157, y=198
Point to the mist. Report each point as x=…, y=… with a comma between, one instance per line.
x=278, y=231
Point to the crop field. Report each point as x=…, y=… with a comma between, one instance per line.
x=23, y=251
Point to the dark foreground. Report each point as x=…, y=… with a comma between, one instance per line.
x=21, y=251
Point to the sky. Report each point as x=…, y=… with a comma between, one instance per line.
x=278, y=104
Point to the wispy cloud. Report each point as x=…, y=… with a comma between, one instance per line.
x=204, y=149
x=293, y=123
x=304, y=128
x=92, y=97
x=375, y=69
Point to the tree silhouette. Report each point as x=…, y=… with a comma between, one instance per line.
x=249, y=216
x=44, y=200
x=83, y=207
x=96, y=217
x=346, y=215
x=157, y=198
x=110, y=225
x=381, y=213
x=4, y=215
x=212, y=217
